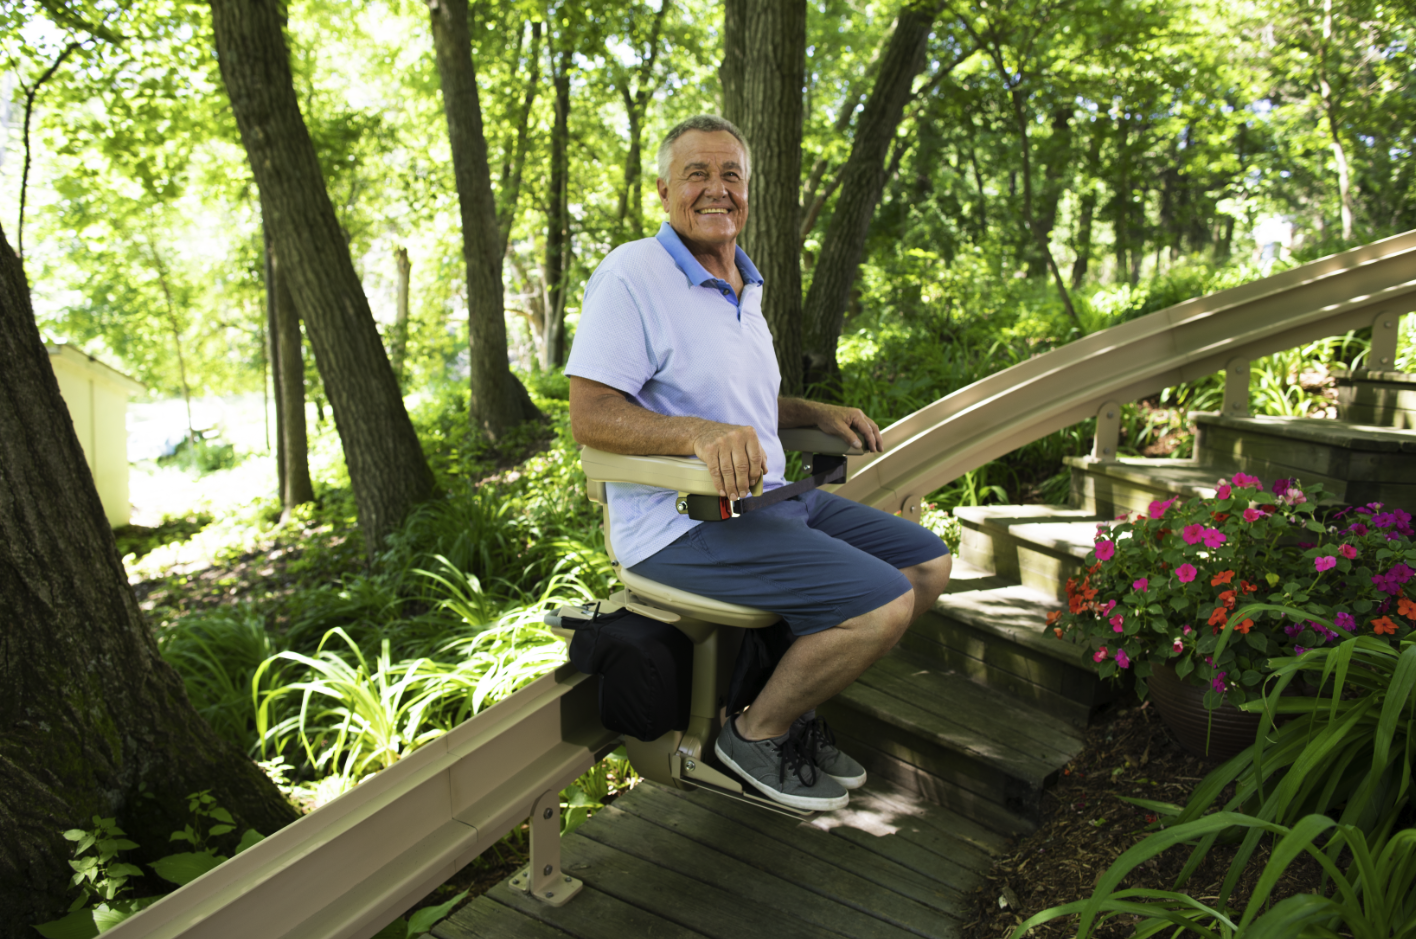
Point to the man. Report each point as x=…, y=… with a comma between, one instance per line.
x=672, y=356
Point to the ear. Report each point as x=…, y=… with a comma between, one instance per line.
x=663, y=188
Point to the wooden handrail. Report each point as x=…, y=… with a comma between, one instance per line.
x=1370, y=285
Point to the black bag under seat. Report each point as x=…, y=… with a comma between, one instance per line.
x=645, y=669
x=757, y=658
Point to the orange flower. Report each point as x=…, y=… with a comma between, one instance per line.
x=1219, y=617
x=1089, y=593
x=1057, y=632
x=1247, y=587
x=1227, y=598
x=1407, y=608
x=1076, y=604
x=1384, y=625
x=1219, y=517
x=1244, y=627
x=1053, y=617
x=1223, y=577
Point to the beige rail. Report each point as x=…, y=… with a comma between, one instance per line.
x=349, y=868
x=1368, y=286
x=346, y=870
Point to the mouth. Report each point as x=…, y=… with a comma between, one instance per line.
x=711, y=211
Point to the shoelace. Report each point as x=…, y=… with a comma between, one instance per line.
x=818, y=737
x=795, y=755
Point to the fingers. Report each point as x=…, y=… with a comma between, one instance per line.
x=853, y=426
x=734, y=459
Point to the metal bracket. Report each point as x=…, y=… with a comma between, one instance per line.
x=543, y=878
x=1236, y=388
x=1382, y=357
x=1108, y=432
x=910, y=508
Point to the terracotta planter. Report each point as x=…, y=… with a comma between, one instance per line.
x=1181, y=706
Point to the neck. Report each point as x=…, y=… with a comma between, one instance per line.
x=720, y=260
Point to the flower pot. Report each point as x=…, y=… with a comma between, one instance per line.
x=1181, y=706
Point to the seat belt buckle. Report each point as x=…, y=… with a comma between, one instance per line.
x=707, y=508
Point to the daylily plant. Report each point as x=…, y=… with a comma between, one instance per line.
x=1216, y=586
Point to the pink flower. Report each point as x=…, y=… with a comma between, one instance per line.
x=1105, y=550
x=1348, y=551
x=1122, y=659
x=1252, y=515
x=1222, y=491
x=1158, y=508
x=1193, y=534
x=1187, y=629
x=1324, y=563
x=1186, y=573
x=1142, y=585
x=1116, y=622
x=1178, y=646
x=1217, y=683
x=1294, y=497
x=1100, y=655
x=1213, y=538
x=1107, y=607
x=1245, y=481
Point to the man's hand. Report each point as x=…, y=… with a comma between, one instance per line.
x=733, y=456
x=849, y=424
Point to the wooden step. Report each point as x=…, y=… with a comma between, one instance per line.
x=1129, y=485
x=996, y=634
x=1380, y=399
x=974, y=749
x=1039, y=546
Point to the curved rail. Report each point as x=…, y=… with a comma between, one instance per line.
x=352, y=866
x=1367, y=286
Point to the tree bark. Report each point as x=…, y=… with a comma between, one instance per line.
x=90, y=715
x=398, y=346
x=296, y=488
x=386, y=463
x=763, y=70
x=636, y=104
x=558, y=215
x=498, y=400
x=515, y=166
x=273, y=332
x=1330, y=115
x=863, y=181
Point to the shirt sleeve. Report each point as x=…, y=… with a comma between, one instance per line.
x=612, y=344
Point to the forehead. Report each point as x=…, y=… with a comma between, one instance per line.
x=715, y=147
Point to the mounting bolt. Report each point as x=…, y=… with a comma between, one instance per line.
x=546, y=871
x=550, y=894
x=682, y=506
x=1387, y=324
x=690, y=765
x=547, y=814
x=567, y=878
x=1110, y=415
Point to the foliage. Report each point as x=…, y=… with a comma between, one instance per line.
x=1372, y=897
x=101, y=878
x=1165, y=587
x=137, y=540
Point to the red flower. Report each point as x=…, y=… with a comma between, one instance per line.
x=1245, y=626
x=1219, y=617
x=1227, y=598
x=1383, y=625
x=1222, y=577
x=1247, y=587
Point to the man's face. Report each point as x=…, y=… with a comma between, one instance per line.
x=706, y=192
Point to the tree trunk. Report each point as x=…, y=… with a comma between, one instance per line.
x=498, y=400
x=295, y=488
x=514, y=168
x=863, y=181
x=1040, y=237
x=1057, y=159
x=636, y=104
x=763, y=70
x=398, y=347
x=1330, y=109
x=558, y=216
x=90, y=715
x=276, y=375
x=386, y=463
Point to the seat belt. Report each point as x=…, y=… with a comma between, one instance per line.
x=830, y=469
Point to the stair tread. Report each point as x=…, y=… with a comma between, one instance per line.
x=1015, y=613
x=949, y=710
x=1325, y=431
x=1186, y=477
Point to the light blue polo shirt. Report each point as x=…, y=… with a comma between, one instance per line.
x=658, y=327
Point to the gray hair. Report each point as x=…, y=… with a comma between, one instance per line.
x=708, y=123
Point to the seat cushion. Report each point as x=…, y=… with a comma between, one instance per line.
x=692, y=604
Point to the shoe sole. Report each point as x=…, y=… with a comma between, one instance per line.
x=850, y=782
x=808, y=803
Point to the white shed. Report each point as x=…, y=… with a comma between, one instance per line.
x=97, y=397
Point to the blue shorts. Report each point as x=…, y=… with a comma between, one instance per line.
x=816, y=560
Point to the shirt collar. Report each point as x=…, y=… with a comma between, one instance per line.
x=695, y=271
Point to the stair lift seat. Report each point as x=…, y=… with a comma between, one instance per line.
x=677, y=758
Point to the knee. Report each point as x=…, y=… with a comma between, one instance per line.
x=932, y=577
x=892, y=620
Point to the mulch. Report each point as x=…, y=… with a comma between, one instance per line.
x=1086, y=826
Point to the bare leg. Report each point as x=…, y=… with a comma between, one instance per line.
x=819, y=666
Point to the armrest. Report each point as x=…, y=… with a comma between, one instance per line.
x=811, y=440
x=680, y=473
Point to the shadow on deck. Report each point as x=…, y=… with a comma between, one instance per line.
x=664, y=863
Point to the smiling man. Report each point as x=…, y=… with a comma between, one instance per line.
x=672, y=356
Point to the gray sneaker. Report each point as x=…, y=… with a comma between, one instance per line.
x=780, y=769
x=821, y=746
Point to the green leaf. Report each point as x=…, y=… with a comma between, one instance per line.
x=398, y=929
x=222, y=815
x=77, y=925
x=249, y=838
x=428, y=917
x=1314, y=525
x=220, y=830
x=182, y=869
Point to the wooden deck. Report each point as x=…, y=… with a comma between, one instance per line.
x=664, y=863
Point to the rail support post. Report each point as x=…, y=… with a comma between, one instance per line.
x=543, y=878
x=1385, y=328
x=1236, y=388
x=1108, y=432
